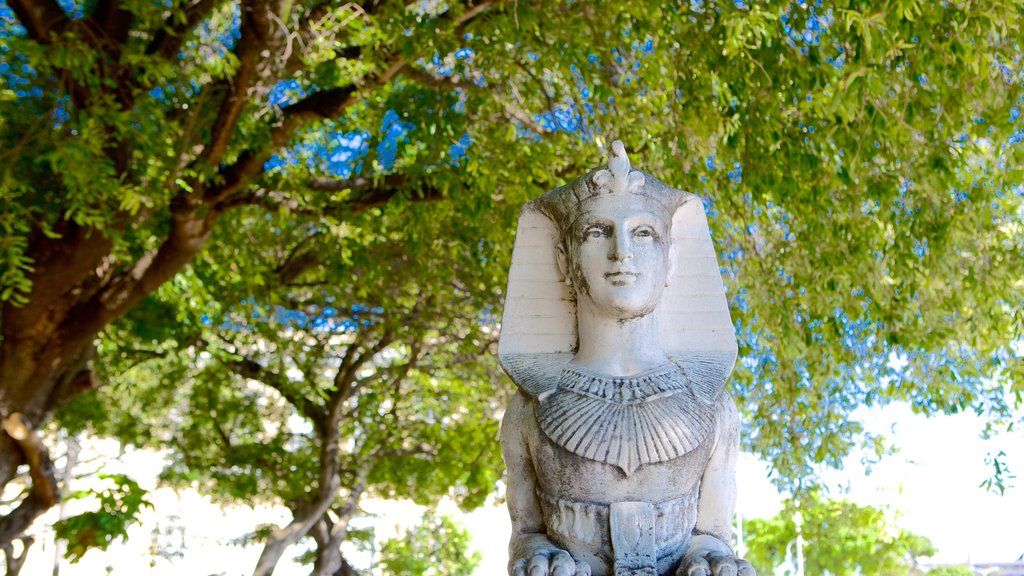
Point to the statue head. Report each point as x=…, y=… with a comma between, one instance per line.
x=615, y=237
x=596, y=233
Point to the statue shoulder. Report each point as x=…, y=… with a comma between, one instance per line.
x=707, y=373
x=521, y=405
x=535, y=374
x=519, y=424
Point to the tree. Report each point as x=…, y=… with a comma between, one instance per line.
x=305, y=400
x=133, y=129
x=437, y=547
x=840, y=538
x=860, y=162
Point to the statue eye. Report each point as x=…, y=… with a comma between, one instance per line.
x=644, y=232
x=595, y=232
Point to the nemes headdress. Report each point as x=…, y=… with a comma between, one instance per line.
x=539, y=321
x=565, y=203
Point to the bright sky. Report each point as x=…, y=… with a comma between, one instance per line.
x=932, y=484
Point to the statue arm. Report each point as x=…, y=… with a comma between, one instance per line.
x=709, y=551
x=717, y=500
x=529, y=548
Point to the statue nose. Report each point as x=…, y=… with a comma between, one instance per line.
x=621, y=249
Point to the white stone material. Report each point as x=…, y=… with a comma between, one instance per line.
x=621, y=445
x=540, y=315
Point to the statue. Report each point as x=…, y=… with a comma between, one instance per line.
x=621, y=444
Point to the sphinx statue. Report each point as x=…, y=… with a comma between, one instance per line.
x=621, y=442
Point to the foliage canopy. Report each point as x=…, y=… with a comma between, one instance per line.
x=437, y=547
x=169, y=167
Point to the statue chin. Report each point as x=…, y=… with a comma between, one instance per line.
x=624, y=306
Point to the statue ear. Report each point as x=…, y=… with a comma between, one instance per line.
x=671, y=264
x=563, y=265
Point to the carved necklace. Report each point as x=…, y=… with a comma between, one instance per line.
x=627, y=422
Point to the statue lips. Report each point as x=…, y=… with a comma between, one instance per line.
x=621, y=277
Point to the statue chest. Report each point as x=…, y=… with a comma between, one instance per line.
x=565, y=474
x=611, y=439
x=588, y=505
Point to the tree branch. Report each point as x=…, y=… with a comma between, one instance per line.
x=358, y=183
x=44, y=484
x=512, y=110
x=415, y=352
x=41, y=18
x=77, y=376
x=299, y=259
x=190, y=227
x=345, y=569
x=330, y=535
x=16, y=562
x=526, y=119
x=328, y=483
x=540, y=84
x=374, y=193
x=351, y=504
x=224, y=438
x=320, y=17
x=253, y=370
x=167, y=42
x=113, y=23
x=325, y=104
x=16, y=522
x=60, y=265
x=255, y=34
x=468, y=16
x=40, y=468
x=249, y=165
x=345, y=377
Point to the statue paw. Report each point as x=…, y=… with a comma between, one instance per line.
x=551, y=562
x=709, y=556
x=712, y=564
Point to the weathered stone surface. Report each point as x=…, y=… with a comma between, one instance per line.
x=621, y=445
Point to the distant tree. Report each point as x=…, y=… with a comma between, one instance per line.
x=960, y=570
x=438, y=546
x=840, y=538
x=305, y=400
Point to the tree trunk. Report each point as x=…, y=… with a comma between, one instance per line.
x=37, y=375
x=47, y=344
x=16, y=561
x=281, y=538
x=306, y=517
x=329, y=537
x=345, y=569
x=328, y=559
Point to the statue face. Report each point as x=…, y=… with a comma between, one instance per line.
x=621, y=257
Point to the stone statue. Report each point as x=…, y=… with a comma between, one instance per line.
x=621, y=444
